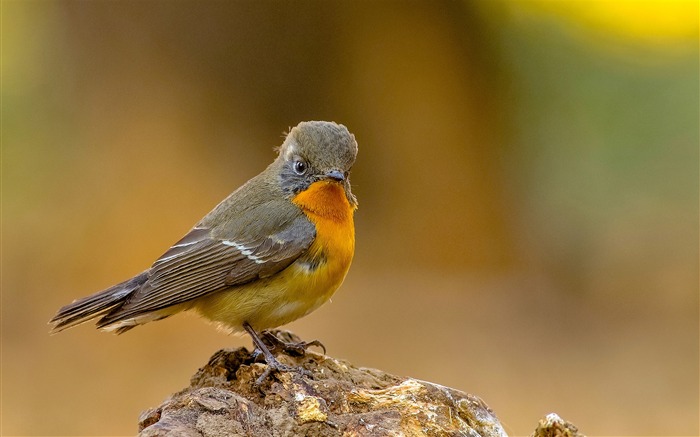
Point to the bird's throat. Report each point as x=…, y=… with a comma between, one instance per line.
x=325, y=200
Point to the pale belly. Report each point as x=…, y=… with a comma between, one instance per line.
x=272, y=302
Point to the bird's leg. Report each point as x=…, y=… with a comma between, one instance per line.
x=292, y=348
x=272, y=364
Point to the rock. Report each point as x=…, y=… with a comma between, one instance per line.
x=331, y=397
x=554, y=426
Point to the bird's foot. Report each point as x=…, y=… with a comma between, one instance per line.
x=264, y=348
x=292, y=348
x=274, y=366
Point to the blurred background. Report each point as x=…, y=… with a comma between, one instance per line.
x=527, y=177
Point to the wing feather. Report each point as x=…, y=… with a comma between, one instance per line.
x=200, y=264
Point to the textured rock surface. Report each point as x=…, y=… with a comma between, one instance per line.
x=335, y=398
x=554, y=426
x=339, y=399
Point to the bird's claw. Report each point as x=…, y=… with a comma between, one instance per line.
x=268, y=344
x=275, y=366
x=294, y=349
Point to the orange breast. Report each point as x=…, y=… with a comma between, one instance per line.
x=325, y=204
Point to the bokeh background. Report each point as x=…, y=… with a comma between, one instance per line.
x=527, y=177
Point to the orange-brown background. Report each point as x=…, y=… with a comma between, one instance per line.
x=528, y=222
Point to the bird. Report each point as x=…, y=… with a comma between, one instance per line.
x=273, y=251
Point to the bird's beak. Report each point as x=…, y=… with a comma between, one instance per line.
x=336, y=175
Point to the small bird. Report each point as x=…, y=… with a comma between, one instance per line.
x=273, y=251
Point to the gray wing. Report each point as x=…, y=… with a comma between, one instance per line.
x=200, y=264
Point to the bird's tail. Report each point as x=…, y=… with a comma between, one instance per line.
x=96, y=305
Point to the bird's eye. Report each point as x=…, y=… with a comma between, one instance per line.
x=299, y=167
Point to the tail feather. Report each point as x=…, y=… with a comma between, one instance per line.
x=96, y=305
